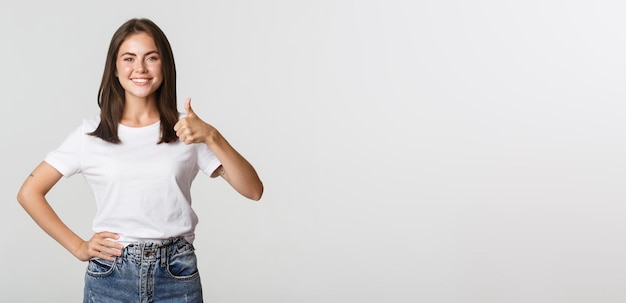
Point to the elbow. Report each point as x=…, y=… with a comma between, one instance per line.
x=22, y=197
x=257, y=194
x=27, y=195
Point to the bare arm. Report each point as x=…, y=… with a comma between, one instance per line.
x=235, y=168
x=32, y=197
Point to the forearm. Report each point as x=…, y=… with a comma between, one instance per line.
x=237, y=170
x=41, y=212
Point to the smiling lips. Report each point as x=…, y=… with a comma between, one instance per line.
x=140, y=81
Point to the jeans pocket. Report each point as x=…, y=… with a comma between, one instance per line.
x=183, y=265
x=100, y=267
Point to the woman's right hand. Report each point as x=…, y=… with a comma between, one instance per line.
x=100, y=246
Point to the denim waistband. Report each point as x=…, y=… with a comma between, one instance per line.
x=155, y=251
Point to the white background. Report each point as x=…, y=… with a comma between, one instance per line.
x=411, y=151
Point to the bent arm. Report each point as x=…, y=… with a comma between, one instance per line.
x=32, y=197
x=235, y=169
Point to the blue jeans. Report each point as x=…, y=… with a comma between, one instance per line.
x=146, y=272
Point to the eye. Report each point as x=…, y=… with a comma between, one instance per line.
x=153, y=58
x=128, y=59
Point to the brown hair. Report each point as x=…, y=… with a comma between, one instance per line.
x=111, y=97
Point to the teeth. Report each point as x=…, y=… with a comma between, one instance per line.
x=140, y=80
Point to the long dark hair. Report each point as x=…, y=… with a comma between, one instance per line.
x=111, y=97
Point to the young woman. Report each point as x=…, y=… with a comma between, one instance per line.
x=140, y=157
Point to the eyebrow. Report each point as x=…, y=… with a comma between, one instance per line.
x=133, y=54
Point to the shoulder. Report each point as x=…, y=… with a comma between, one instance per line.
x=89, y=124
x=94, y=119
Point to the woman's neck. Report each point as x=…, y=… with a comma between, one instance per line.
x=140, y=112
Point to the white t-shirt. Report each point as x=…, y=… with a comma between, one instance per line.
x=142, y=189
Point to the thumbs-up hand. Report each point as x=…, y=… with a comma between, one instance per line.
x=188, y=110
x=191, y=129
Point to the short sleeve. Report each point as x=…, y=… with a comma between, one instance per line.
x=207, y=161
x=67, y=157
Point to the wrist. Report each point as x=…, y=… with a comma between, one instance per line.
x=79, y=250
x=213, y=139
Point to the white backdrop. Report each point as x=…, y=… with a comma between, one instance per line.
x=412, y=151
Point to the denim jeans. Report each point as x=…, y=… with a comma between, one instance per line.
x=146, y=272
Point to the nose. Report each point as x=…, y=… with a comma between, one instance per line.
x=140, y=66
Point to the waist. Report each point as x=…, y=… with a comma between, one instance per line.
x=155, y=250
x=128, y=240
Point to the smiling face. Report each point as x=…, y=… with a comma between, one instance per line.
x=138, y=67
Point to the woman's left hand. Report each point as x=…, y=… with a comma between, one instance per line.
x=191, y=129
x=235, y=169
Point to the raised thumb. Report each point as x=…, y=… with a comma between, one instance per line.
x=188, y=109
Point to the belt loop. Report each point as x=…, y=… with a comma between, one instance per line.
x=164, y=255
x=118, y=260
